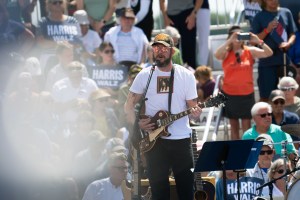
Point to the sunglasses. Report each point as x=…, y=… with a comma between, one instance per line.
x=163, y=49
x=264, y=115
x=109, y=51
x=262, y=152
x=280, y=171
x=57, y=2
x=238, y=57
x=288, y=89
x=281, y=102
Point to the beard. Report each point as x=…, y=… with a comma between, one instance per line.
x=163, y=63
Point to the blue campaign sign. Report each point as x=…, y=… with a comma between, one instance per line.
x=248, y=186
x=109, y=76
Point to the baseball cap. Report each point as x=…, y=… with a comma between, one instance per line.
x=267, y=139
x=276, y=94
x=164, y=39
x=127, y=12
x=81, y=17
x=287, y=82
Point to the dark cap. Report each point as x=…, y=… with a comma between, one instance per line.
x=276, y=94
x=126, y=12
x=164, y=39
x=267, y=139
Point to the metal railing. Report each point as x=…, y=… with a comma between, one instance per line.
x=219, y=116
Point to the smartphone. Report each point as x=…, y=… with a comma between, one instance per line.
x=243, y=36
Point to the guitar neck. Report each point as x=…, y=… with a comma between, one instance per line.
x=171, y=118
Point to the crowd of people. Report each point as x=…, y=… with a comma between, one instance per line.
x=72, y=84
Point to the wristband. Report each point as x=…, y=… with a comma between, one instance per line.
x=266, y=31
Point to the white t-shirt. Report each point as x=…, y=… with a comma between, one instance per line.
x=63, y=91
x=103, y=190
x=91, y=41
x=184, y=88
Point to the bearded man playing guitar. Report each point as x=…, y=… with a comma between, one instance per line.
x=172, y=89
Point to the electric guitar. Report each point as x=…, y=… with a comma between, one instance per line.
x=203, y=190
x=162, y=119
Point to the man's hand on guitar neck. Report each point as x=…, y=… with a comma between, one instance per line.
x=146, y=125
x=195, y=109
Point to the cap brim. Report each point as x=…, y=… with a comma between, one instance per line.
x=277, y=97
x=160, y=42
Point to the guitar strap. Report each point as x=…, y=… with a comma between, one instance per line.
x=171, y=89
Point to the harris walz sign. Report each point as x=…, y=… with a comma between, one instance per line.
x=108, y=76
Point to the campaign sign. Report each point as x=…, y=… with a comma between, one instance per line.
x=248, y=186
x=109, y=76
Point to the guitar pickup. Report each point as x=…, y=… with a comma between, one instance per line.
x=158, y=123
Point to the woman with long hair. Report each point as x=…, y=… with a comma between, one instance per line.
x=237, y=63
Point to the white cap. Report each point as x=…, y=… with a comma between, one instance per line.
x=81, y=17
x=32, y=65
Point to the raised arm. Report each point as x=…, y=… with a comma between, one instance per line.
x=263, y=52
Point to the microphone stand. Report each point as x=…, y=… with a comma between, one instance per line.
x=137, y=130
x=284, y=156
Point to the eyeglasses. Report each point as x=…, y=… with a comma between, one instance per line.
x=163, y=49
x=280, y=171
x=57, y=2
x=262, y=152
x=288, y=89
x=109, y=51
x=238, y=57
x=121, y=168
x=279, y=101
x=264, y=115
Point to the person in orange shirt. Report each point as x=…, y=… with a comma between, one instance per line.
x=237, y=62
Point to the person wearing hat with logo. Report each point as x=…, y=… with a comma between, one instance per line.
x=262, y=116
x=279, y=115
x=173, y=151
x=90, y=38
x=129, y=41
x=264, y=162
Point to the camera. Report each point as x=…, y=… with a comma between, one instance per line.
x=243, y=36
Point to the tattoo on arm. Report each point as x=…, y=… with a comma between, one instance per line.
x=133, y=97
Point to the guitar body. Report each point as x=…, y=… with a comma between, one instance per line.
x=203, y=189
x=149, y=139
x=162, y=119
x=207, y=191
